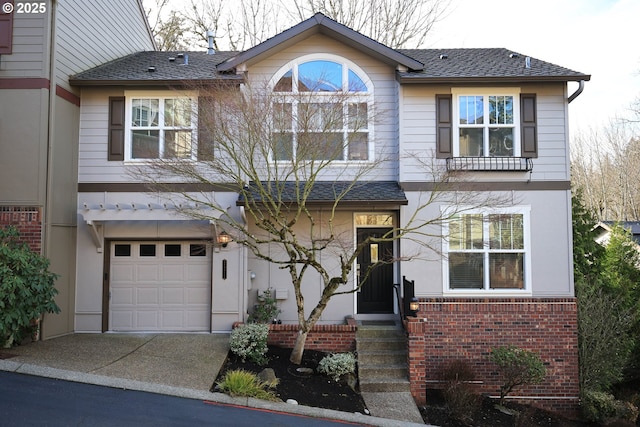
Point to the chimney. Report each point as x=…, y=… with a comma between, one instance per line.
x=210, y=36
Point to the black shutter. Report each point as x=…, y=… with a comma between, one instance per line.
x=444, y=129
x=116, y=128
x=528, y=125
x=6, y=30
x=205, y=137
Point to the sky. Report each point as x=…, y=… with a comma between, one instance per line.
x=595, y=37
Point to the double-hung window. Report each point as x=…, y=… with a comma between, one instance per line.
x=161, y=127
x=321, y=111
x=486, y=124
x=488, y=251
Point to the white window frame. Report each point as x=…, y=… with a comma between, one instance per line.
x=352, y=98
x=486, y=93
x=525, y=211
x=161, y=96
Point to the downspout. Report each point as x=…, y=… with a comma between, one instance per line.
x=578, y=91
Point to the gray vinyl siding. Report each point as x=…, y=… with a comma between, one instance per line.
x=92, y=33
x=30, y=54
x=418, y=138
x=92, y=156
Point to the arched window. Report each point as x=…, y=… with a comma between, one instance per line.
x=322, y=111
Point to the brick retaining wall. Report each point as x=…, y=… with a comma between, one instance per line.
x=327, y=338
x=28, y=220
x=467, y=328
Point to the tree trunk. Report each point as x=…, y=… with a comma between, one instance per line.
x=298, y=348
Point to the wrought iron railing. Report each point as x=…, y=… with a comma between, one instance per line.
x=490, y=164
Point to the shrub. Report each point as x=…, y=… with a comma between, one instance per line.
x=518, y=367
x=337, y=364
x=458, y=390
x=26, y=288
x=599, y=407
x=250, y=342
x=266, y=310
x=246, y=384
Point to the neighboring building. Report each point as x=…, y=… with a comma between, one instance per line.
x=603, y=231
x=495, y=116
x=41, y=45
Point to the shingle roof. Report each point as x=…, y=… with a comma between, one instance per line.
x=447, y=65
x=134, y=69
x=362, y=193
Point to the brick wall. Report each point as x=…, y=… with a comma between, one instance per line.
x=327, y=338
x=28, y=220
x=448, y=329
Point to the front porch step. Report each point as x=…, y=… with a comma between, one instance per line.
x=382, y=358
x=384, y=385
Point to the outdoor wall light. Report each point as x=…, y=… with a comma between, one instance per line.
x=223, y=239
x=414, y=307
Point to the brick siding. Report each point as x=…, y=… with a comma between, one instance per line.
x=327, y=338
x=28, y=220
x=447, y=329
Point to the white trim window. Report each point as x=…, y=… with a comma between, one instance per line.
x=322, y=111
x=486, y=123
x=160, y=126
x=488, y=251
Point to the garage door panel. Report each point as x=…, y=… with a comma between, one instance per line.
x=122, y=296
x=146, y=320
x=122, y=320
x=164, y=292
x=173, y=273
x=147, y=272
x=173, y=296
x=121, y=272
x=147, y=296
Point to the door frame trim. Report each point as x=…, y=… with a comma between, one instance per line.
x=395, y=216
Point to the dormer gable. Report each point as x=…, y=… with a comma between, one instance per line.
x=321, y=24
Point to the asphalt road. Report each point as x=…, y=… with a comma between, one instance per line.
x=34, y=401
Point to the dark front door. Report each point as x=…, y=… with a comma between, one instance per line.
x=376, y=295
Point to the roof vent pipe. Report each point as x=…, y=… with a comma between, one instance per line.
x=527, y=62
x=210, y=35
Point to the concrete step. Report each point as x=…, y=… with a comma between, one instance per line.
x=381, y=357
x=375, y=344
x=395, y=371
x=382, y=385
x=380, y=332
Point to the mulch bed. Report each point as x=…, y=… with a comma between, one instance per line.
x=307, y=389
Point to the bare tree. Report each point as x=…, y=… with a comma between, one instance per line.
x=395, y=23
x=605, y=164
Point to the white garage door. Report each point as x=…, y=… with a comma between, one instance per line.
x=160, y=286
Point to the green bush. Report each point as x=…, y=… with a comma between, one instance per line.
x=245, y=384
x=250, y=342
x=337, y=364
x=518, y=367
x=599, y=407
x=266, y=310
x=458, y=391
x=26, y=288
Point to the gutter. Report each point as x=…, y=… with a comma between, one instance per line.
x=578, y=91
